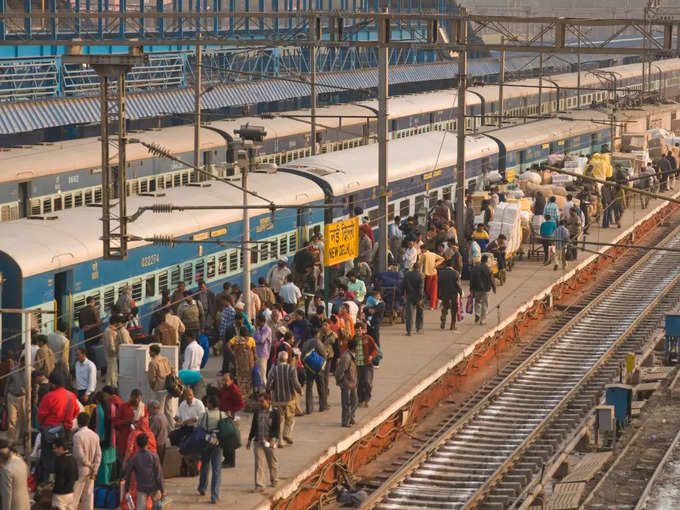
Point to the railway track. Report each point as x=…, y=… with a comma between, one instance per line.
x=488, y=456
x=663, y=476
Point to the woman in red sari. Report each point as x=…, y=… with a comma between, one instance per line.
x=141, y=427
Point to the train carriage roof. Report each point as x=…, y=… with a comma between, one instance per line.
x=40, y=246
x=357, y=168
x=545, y=131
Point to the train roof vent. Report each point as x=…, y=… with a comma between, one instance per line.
x=314, y=170
x=267, y=168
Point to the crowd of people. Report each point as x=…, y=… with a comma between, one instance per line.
x=278, y=345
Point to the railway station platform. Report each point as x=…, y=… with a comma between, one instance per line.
x=411, y=365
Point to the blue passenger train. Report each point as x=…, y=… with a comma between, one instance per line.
x=54, y=263
x=42, y=179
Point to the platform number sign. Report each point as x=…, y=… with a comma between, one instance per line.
x=342, y=241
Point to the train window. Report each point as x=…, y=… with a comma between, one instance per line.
x=137, y=291
x=420, y=203
x=185, y=178
x=98, y=195
x=163, y=281
x=446, y=193
x=47, y=205
x=390, y=212
x=109, y=298
x=150, y=287
x=176, y=180
x=283, y=245
x=292, y=242
x=58, y=203
x=78, y=199
x=35, y=207
x=254, y=255
x=152, y=185
x=87, y=195
x=222, y=264
x=210, y=268
x=373, y=216
x=78, y=304
x=144, y=186
x=434, y=196
x=188, y=274
x=200, y=269
x=68, y=201
x=404, y=208
x=264, y=252
x=233, y=261
x=175, y=277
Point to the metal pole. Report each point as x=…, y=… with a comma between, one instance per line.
x=460, y=164
x=383, y=92
x=106, y=172
x=28, y=362
x=122, y=168
x=540, y=77
x=501, y=79
x=245, y=236
x=578, y=76
x=198, y=85
x=312, y=69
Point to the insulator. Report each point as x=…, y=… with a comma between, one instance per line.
x=161, y=208
x=163, y=240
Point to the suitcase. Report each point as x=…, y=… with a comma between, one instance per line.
x=172, y=462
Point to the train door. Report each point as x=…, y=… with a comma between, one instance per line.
x=303, y=219
x=63, y=286
x=24, y=199
x=523, y=161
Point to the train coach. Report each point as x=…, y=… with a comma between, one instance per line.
x=42, y=179
x=55, y=263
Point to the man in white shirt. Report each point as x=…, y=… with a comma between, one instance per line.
x=410, y=255
x=567, y=207
x=276, y=277
x=193, y=353
x=190, y=410
x=86, y=375
x=290, y=295
x=60, y=345
x=88, y=455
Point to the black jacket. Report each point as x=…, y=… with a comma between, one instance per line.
x=65, y=474
x=449, y=283
x=481, y=279
x=273, y=426
x=413, y=285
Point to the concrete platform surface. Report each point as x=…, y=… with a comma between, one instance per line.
x=410, y=364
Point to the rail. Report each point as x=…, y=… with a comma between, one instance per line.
x=458, y=468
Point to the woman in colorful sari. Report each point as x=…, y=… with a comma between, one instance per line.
x=101, y=421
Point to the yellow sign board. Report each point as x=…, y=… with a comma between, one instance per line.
x=342, y=241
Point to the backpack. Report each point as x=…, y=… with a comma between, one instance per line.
x=106, y=496
x=314, y=362
x=174, y=385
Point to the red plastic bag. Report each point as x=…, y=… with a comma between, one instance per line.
x=470, y=305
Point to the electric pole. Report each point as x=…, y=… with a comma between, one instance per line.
x=198, y=85
x=460, y=124
x=383, y=93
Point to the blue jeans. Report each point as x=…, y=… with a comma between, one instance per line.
x=212, y=455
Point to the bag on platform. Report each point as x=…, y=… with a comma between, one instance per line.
x=470, y=305
x=314, y=361
x=194, y=444
x=174, y=385
x=229, y=432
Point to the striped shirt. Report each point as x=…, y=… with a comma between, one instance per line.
x=283, y=383
x=552, y=210
x=226, y=320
